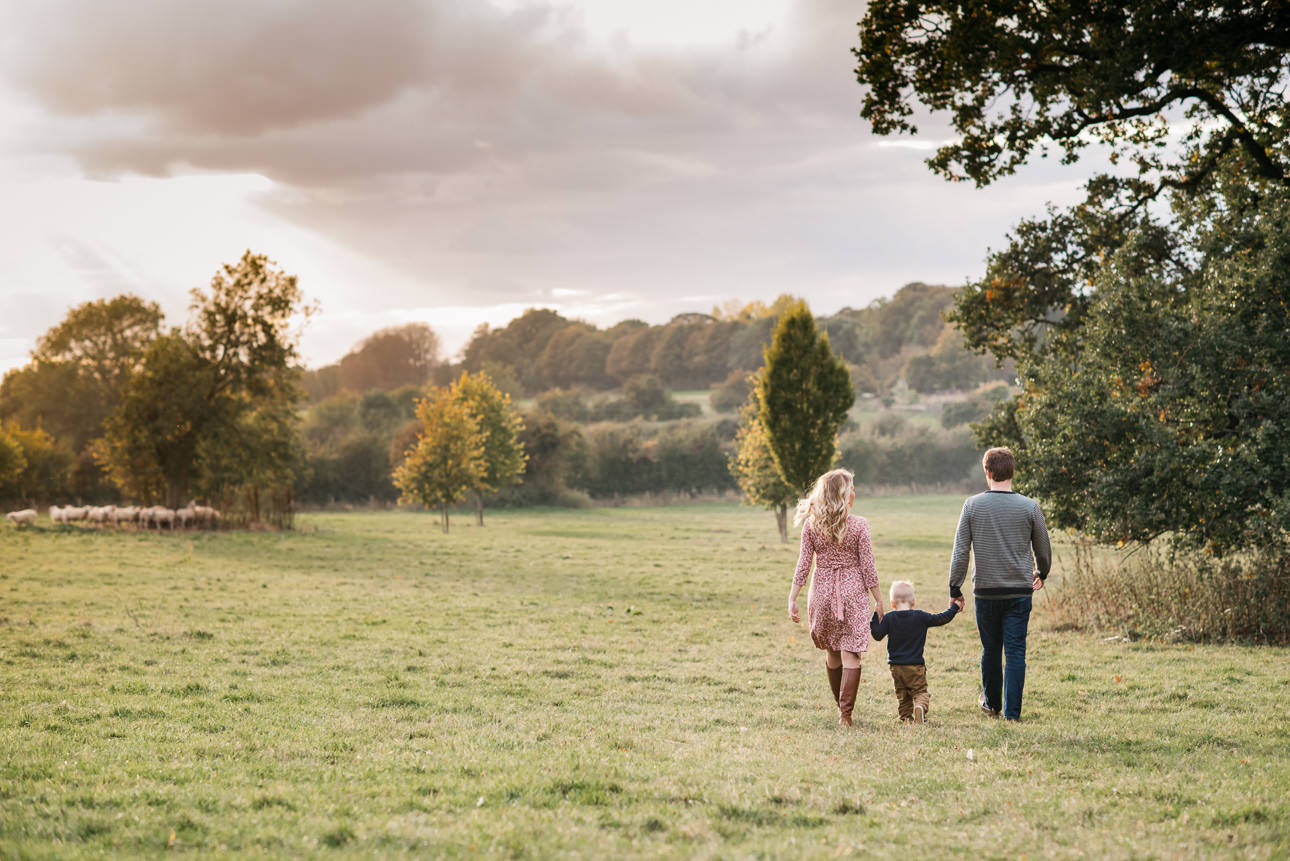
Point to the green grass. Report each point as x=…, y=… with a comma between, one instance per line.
x=595, y=683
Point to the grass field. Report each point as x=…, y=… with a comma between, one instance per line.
x=594, y=683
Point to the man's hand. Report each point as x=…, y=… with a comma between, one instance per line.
x=1037, y=583
x=792, y=610
x=959, y=602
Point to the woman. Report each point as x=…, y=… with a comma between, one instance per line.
x=837, y=608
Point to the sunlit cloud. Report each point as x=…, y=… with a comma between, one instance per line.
x=462, y=162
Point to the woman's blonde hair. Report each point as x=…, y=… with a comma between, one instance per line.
x=827, y=505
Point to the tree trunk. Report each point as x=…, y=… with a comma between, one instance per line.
x=443, y=508
x=479, y=509
x=781, y=520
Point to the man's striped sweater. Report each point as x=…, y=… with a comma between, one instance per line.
x=1001, y=528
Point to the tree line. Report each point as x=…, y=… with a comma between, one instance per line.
x=114, y=408
x=901, y=337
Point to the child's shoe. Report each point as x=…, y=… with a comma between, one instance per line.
x=920, y=715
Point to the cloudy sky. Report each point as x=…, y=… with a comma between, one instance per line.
x=456, y=161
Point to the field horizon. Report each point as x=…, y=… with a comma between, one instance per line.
x=616, y=682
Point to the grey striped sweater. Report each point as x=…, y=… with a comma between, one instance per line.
x=1002, y=529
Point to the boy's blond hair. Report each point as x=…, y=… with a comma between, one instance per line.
x=902, y=592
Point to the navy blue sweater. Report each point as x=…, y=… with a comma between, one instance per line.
x=906, y=631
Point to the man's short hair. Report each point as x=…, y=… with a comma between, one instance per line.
x=901, y=591
x=999, y=463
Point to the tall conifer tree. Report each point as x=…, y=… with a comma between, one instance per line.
x=804, y=393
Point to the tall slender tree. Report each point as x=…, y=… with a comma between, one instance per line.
x=804, y=392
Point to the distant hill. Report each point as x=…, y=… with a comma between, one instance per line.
x=903, y=337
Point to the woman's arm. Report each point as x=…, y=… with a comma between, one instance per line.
x=868, y=568
x=792, y=603
x=803, y=571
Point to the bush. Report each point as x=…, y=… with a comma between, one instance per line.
x=730, y=395
x=1177, y=596
x=890, y=424
x=918, y=455
x=567, y=405
x=973, y=409
x=623, y=460
x=555, y=452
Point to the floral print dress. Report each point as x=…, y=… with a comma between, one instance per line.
x=838, y=606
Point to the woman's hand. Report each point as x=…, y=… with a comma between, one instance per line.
x=881, y=612
x=792, y=610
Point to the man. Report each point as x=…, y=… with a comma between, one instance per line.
x=1006, y=535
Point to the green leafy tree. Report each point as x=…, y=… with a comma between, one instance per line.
x=1168, y=417
x=12, y=464
x=1018, y=77
x=448, y=458
x=803, y=393
x=752, y=464
x=212, y=406
x=554, y=452
x=500, y=428
x=256, y=455
x=150, y=442
x=75, y=378
x=102, y=339
x=244, y=326
x=46, y=475
x=1142, y=343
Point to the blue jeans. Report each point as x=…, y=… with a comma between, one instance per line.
x=1002, y=624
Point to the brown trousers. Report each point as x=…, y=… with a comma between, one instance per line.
x=911, y=689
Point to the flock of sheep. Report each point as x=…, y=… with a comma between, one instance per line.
x=155, y=516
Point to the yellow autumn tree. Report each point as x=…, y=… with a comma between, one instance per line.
x=447, y=459
x=752, y=464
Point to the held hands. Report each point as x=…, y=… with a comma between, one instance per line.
x=959, y=602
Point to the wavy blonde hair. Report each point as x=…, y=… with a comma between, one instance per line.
x=827, y=505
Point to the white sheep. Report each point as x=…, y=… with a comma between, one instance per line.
x=99, y=514
x=206, y=515
x=161, y=514
x=186, y=516
x=125, y=515
x=56, y=514
x=18, y=518
x=71, y=513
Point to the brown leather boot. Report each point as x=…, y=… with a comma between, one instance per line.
x=847, y=694
x=835, y=681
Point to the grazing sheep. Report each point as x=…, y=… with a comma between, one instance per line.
x=206, y=516
x=56, y=514
x=72, y=513
x=125, y=515
x=100, y=514
x=186, y=516
x=18, y=518
x=161, y=514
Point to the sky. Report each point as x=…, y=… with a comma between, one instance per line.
x=457, y=161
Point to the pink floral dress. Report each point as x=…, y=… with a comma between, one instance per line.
x=838, y=606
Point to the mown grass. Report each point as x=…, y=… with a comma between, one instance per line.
x=596, y=683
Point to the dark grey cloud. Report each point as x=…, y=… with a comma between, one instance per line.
x=499, y=156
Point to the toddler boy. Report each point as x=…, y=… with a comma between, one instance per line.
x=906, y=631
